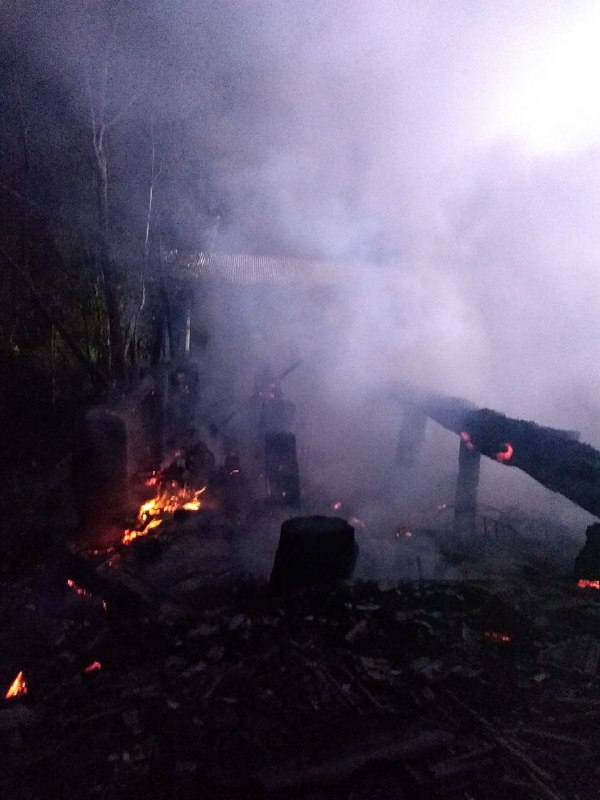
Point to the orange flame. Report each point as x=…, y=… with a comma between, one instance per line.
x=496, y=637
x=17, y=687
x=166, y=502
x=585, y=584
x=506, y=454
x=95, y=666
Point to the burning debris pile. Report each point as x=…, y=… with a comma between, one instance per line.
x=157, y=668
x=17, y=688
x=168, y=501
x=473, y=689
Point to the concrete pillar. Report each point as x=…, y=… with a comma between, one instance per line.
x=465, y=504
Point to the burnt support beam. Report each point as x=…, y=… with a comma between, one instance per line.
x=553, y=457
x=467, y=483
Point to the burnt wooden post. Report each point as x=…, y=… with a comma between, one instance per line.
x=411, y=437
x=146, y=425
x=281, y=468
x=100, y=476
x=467, y=482
x=587, y=563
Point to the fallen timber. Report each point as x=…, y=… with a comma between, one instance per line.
x=553, y=457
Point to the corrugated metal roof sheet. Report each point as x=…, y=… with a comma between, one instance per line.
x=257, y=270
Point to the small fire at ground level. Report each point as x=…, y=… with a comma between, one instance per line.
x=167, y=501
x=17, y=688
x=586, y=584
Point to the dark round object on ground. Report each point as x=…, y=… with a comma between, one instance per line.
x=313, y=550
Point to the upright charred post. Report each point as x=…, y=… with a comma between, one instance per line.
x=467, y=484
x=587, y=563
x=100, y=476
x=281, y=467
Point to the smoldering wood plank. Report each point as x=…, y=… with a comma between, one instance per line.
x=342, y=766
x=553, y=457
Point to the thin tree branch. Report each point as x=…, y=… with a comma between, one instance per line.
x=77, y=350
x=118, y=116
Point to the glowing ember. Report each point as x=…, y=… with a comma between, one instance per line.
x=506, y=454
x=152, y=480
x=496, y=637
x=17, y=687
x=466, y=438
x=104, y=552
x=358, y=523
x=585, y=584
x=95, y=666
x=79, y=590
x=168, y=501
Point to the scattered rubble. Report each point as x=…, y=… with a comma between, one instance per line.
x=480, y=689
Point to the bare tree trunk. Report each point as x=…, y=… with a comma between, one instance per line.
x=109, y=277
x=52, y=320
x=154, y=174
x=24, y=136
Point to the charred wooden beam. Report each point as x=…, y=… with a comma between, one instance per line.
x=555, y=458
x=341, y=766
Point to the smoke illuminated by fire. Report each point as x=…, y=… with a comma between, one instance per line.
x=168, y=501
x=17, y=687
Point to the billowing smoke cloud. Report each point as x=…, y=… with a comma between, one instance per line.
x=410, y=139
x=381, y=133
